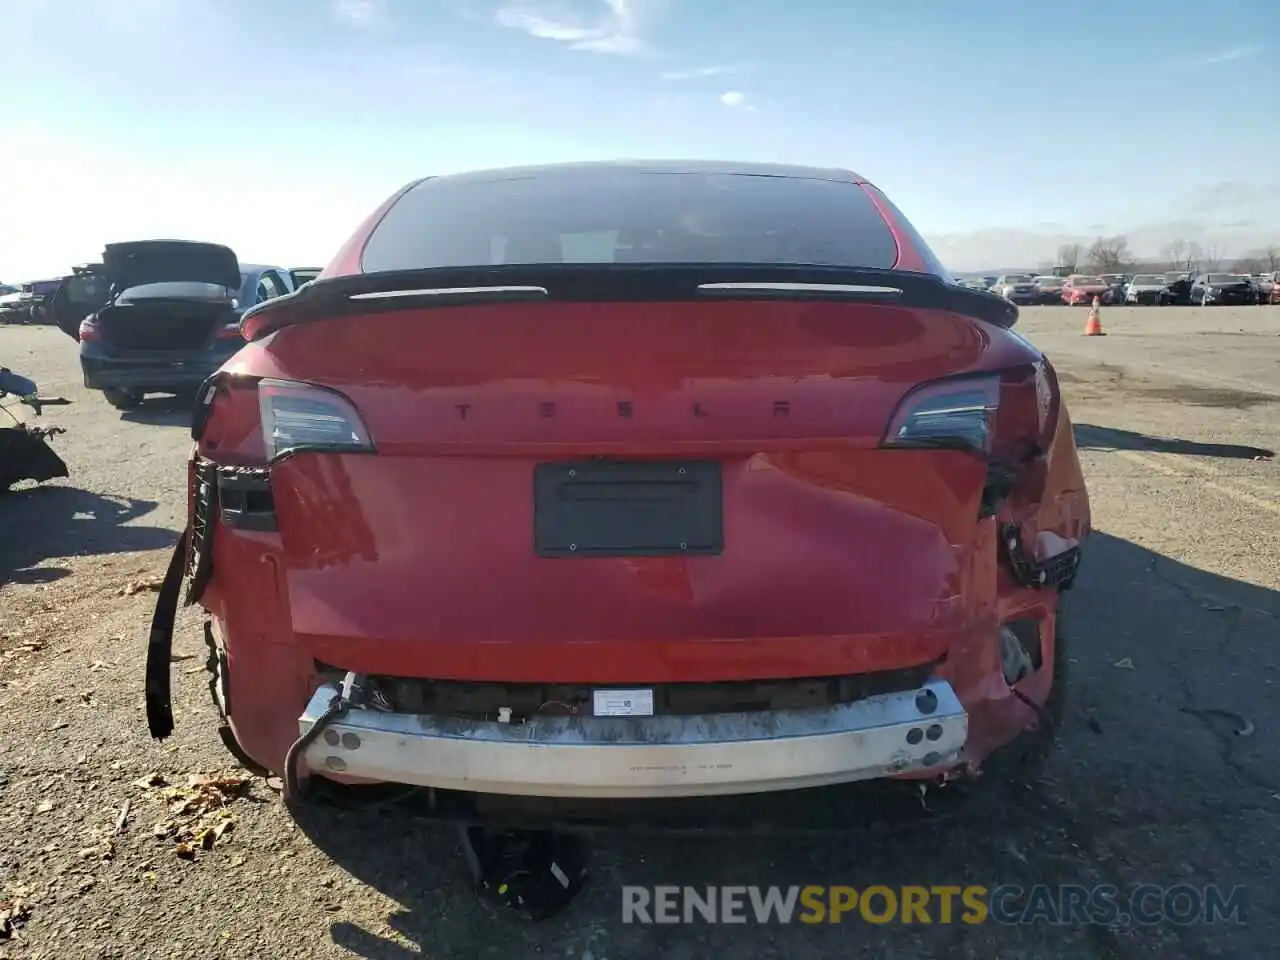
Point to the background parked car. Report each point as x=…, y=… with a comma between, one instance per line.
x=168, y=316
x=1150, y=289
x=1049, y=289
x=301, y=275
x=1017, y=288
x=1080, y=289
x=1116, y=282
x=1214, y=289
x=28, y=304
x=1179, y=288
x=1266, y=285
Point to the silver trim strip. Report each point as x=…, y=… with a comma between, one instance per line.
x=800, y=287
x=446, y=292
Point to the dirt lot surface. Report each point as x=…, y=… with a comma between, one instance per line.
x=1168, y=770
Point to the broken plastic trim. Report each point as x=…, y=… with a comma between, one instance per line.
x=1057, y=571
x=158, y=692
x=618, y=282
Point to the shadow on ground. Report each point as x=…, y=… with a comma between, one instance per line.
x=162, y=412
x=54, y=521
x=1091, y=437
x=1151, y=783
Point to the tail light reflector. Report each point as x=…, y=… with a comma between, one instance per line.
x=301, y=417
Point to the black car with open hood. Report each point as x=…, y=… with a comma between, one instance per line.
x=159, y=316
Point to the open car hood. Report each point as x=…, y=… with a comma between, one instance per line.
x=162, y=261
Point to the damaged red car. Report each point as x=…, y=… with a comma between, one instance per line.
x=630, y=480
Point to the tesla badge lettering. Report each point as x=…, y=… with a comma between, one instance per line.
x=462, y=409
x=699, y=410
x=624, y=409
x=547, y=409
x=781, y=408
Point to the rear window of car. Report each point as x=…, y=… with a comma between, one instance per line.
x=630, y=216
x=181, y=290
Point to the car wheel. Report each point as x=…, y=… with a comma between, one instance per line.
x=122, y=399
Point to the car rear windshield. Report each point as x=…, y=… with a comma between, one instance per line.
x=630, y=216
x=1222, y=278
x=176, y=290
x=1147, y=278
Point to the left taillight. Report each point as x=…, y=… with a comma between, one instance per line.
x=301, y=417
x=994, y=415
x=89, y=330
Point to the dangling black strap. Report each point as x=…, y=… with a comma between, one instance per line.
x=160, y=643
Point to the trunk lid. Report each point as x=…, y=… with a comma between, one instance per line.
x=809, y=551
x=162, y=261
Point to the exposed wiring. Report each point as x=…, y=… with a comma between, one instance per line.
x=342, y=701
x=1041, y=713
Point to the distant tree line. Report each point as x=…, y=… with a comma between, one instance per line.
x=1112, y=255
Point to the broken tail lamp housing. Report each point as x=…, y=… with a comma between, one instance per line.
x=301, y=417
x=993, y=415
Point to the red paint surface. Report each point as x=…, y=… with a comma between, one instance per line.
x=840, y=556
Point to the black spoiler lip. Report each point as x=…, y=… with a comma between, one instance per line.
x=617, y=282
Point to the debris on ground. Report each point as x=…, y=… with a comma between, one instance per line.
x=139, y=586
x=196, y=817
x=14, y=915
x=1124, y=663
x=123, y=819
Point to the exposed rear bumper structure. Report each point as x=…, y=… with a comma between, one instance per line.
x=645, y=757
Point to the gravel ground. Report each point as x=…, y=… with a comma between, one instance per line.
x=103, y=833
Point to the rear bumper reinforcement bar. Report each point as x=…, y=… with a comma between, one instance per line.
x=645, y=757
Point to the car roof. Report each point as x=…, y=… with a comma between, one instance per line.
x=725, y=167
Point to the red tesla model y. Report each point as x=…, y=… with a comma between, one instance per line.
x=630, y=480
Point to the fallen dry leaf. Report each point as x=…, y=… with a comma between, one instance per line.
x=138, y=586
x=196, y=812
x=123, y=819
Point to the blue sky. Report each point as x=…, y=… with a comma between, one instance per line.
x=275, y=126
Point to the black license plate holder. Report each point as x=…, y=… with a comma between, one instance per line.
x=653, y=508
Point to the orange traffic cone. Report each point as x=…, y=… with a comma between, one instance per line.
x=1093, y=326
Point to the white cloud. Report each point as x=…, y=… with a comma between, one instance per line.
x=701, y=73
x=616, y=26
x=737, y=100
x=1234, y=53
x=356, y=13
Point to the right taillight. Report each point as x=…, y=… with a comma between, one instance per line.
x=955, y=413
x=301, y=417
x=1001, y=415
